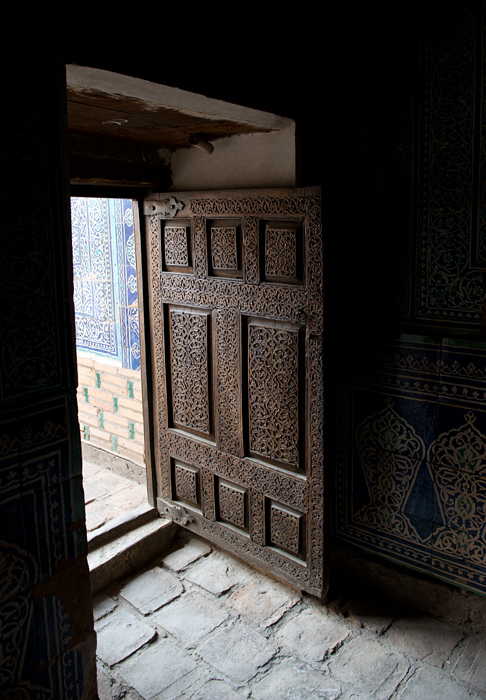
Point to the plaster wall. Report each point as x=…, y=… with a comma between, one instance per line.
x=257, y=160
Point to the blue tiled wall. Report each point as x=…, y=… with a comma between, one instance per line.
x=105, y=279
x=411, y=446
x=411, y=478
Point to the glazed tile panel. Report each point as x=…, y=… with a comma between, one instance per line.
x=40, y=488
x=105, y=278
x=435, y=174
x=42, y=536
x=411, y=477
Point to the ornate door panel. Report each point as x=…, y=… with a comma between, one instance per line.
x=236, y=314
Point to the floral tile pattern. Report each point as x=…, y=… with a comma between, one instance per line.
x=413, y=486
x=105, y=278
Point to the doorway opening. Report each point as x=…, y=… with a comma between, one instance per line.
x=109, y=392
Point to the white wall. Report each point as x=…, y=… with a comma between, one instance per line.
x=255, y=160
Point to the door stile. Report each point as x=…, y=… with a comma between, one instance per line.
x=158, y=357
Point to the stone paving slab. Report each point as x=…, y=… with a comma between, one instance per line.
x=89, y=468
x=110, y=481
x=151, y=589
x=217, y=574
x=128, y=498
x=121, y=634
x=107, y=494
x=424, y=638
x=471, y=664
x=190, y=618
x=93, y=489
x=264, y=601
x=367, y=610
x=312, y=635
x=102, y=605
x=158, y=667
x=98, y=514
x=212, y=690
x=431, y=683
x=108, y=687
x=369, y=666
x=237, y=651
x=293, y=680
x=187, y=554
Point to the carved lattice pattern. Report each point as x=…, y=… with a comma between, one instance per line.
x=176, y=252
x=285, y=529
x=280, y=252
x=224, y=251
x=232, y=504
x=186, y=483
x=189, y=365
x=238, y=319
x=273, y=360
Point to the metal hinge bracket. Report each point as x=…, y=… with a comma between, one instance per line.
x=176, y=513
x=165, y=208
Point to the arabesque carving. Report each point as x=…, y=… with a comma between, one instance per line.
x=246, y=355
x=176, y=252
x=190, y=370
x=224, y=251
x=273, y=368
x=280, y=252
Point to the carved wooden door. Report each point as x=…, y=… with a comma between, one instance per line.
x=236, y=326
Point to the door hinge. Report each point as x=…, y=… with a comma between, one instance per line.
x=165, y=208
x=176, y=513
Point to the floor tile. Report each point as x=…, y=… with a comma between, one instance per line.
x=424, y=638
x=431, y=683
x=263, y=601
x=293, y=679
x=237, y=651
x=471, y=664
x=120, y=634
x=151, y=590
x=102, y=605
x=188, y=553
x=311, y=635
x=216, y=575
x=369, y=666
x=157, y=668
x=190, y=618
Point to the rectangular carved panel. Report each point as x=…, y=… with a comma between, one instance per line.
x=176, y=248
x=186, y=483
x=232, y=504
x=285, y=529
x=189, y=354
x=224, y=242
x=275, y=383
x=283, y=252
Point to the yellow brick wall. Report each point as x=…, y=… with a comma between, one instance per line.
x=110, y=408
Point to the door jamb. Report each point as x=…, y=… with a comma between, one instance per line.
x=145, y=348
